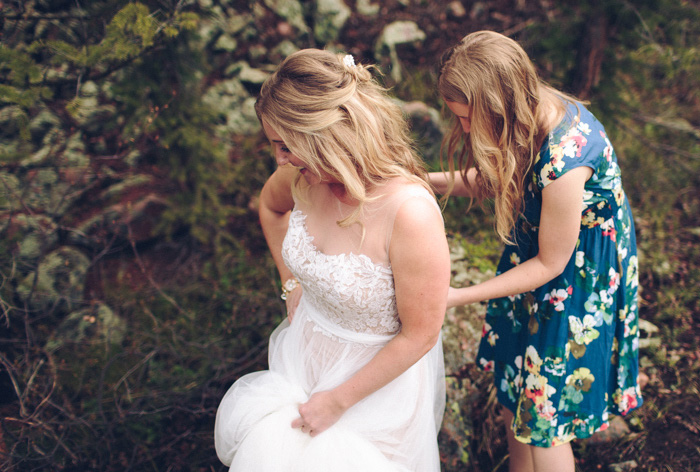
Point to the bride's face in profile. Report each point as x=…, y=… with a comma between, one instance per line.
x=284, y=156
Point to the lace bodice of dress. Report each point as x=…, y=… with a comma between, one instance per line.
x=345, y=271
x=351, y=290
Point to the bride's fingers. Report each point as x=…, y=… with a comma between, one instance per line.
x=298, y=423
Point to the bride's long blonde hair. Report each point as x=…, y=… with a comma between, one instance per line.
x=340, y=121
x=493, y=75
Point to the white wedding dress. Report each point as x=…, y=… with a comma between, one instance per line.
x=347, y=313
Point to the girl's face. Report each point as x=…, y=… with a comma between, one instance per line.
x=463, y=113
x=284, y=156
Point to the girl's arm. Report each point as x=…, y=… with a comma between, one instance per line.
x=276, y=203
x=440, y=181
x=421, y=265
x=560, y=223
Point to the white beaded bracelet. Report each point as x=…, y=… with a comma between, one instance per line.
x=288, y=286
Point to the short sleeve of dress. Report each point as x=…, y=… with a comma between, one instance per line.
x=573, y=143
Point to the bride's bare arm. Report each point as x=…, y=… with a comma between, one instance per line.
x=421, y=265
x=276, y=203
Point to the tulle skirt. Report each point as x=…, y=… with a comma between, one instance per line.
x=394, y=429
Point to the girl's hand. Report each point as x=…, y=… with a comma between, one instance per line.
x=292, y=302
x=321, y=412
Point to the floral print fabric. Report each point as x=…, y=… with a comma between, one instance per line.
x=565, y=356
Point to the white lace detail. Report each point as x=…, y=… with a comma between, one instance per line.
x=351, y=290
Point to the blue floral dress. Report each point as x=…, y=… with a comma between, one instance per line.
x=565, y=355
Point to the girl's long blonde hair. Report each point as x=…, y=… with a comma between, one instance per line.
x=339, y=121
x=493, y=75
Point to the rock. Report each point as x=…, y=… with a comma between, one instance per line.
x=42, y=189
x=10, y=149
x=364, y=7
x=35, y=233
x=219, y=30
x=42, y=124
x=235, y=106
x=617, y=429
x=329, y=18
x=250, y=75
x=54, y=138
x=87, y=110
x=398, y=32
x=291, y=11
x=47, y=191
x=10, y=189
x=427, y=128
x=284, y=49
x=646, y=335
x=48, y=135
x=74, y=155
x=456, y=10
x=225, y=43
x=642, y=380
x=238, y=22
x=623, y=466
x=11, y=115
x=60, y=278
x=133, y=157
x=479, y=11
x=243, y=120
x=97, y=324
x=257, y=51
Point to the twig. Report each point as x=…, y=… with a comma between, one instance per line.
x=650, y=35
x=136, y=366
x=48, y=396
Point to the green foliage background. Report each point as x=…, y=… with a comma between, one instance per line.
x=135, y=284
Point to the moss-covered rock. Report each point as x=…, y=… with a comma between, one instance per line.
x=57, y=282
x=398, y=32
x=10, y=189
x=34, y=233
x=232, y=102
x=290, y=10
x=329, y=18
x=97, y=324
x=43, y=190
x=367, y=8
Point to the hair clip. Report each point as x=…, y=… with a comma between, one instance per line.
x=349, y=61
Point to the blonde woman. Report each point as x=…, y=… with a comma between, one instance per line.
x=355, y=379
x=561, y=327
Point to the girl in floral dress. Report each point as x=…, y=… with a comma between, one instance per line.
x=561, y=333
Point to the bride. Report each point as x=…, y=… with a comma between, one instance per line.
x=355, y=379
